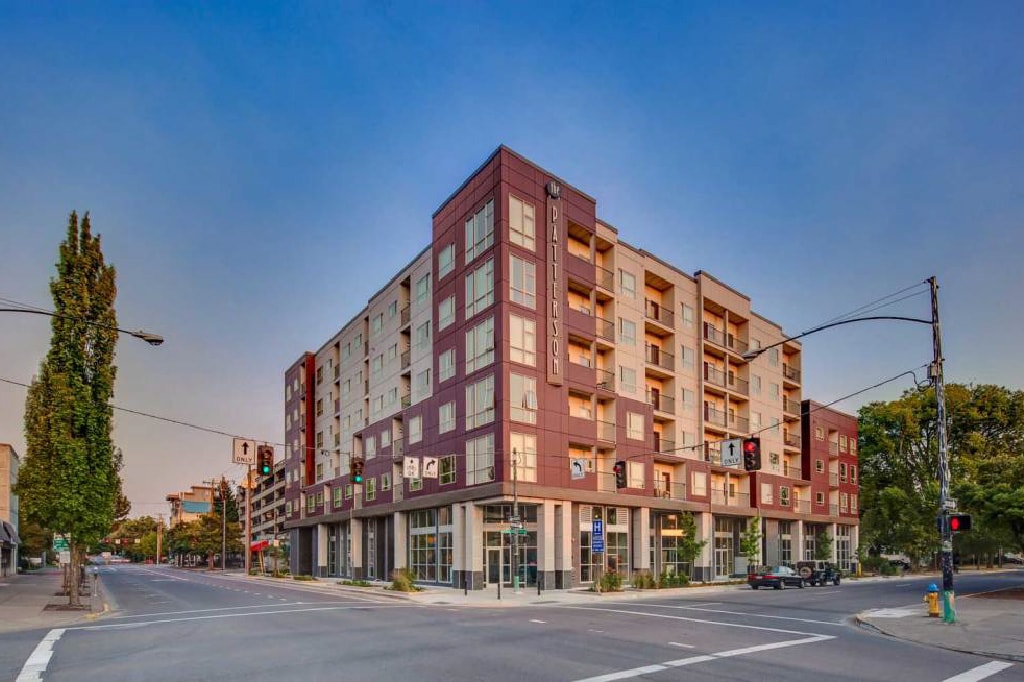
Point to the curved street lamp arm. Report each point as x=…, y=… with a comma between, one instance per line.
x=151, y=339
x=750, y=355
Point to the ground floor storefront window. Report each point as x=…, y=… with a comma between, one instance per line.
x=430, y=544
x=725, y=544
x=843, y=547
x=500, y=544
x=615, y=538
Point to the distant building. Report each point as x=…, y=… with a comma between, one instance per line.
x=9, y=541
x=189, y=505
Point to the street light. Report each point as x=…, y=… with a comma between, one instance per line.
x=151, y=339
x=949, y=610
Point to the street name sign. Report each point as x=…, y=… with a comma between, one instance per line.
x=732, y=452
x=243, y=451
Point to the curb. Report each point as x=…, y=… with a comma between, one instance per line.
x=862, y=622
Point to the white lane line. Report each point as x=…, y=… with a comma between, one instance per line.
x=164, y=621
x=744, y=613
x=681, y=645
x=979, y=673
x=743, y=626
x=534, y=620
x=36, y=664
x=229, y=608
x=658, y=667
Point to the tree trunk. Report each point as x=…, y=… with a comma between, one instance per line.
x=73, y=571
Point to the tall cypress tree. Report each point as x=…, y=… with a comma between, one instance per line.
x=69, y=480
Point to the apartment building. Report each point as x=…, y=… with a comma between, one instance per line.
x=189, y=505
x=524, y=352
x=268, y=508
x=9, y=540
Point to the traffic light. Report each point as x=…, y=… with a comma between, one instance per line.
x=752, y=454
x=265, y=460
x=355, y=470
x=620, y=474
x=959, y=522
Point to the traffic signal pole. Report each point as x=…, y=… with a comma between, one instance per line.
x=248, y=518
x=948, y=595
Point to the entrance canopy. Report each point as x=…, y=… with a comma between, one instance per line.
x=259, y=546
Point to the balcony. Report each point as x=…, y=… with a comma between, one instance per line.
x=406, y=359
x=658, y=313
x=406, y=315
x=791, y=440
x=661, y=402
x=833, y=479
x=337, y=405
x=833, y=510
x=670, y=490
x=656, y=356
x=712, y=453
x=726, y=499
x=714, y=334
x=397, y=447
x=833, y=449
x=605, y=329
x=802, y=506
x=737, y=423
x=790, y=374
x=713, y=375
x=664, y=445
x=790, y=406
x=605, y=278
x=337, y=373
x=605, y=379
x=406, y=401
x=737, y=385
x=605, y=430
x=714, y=416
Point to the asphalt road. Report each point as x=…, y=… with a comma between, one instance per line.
x=178, y=625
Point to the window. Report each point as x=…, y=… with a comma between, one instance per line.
x=853, y=504
x=393, y=309
x=423, y=335
x=319, y=406
x=819, y=499
x=415, y=484
x=370, y=488
x=377, y=325
x=634, y=426
x=523, y=340
x=842, y=471
x=320, y=471
x=689, y=400
x=767, y=493
x=627, y=332
x=446, y=417
x=853, y=445
x=521, y=230
x=480, y=345
x=415, y=429
x=627, y=379
x=525, y=448
x=773, y=357
x=378, y=364
x=319, y=439
x=348, y=491
x=842, y=443
x=688, y=357
x=319, y=375
x=423, y=384
x=446, y=365
x=819, y=433
x=635, y=474
x=385, y=438
x=480, y=289
x=755, y=384
x=446, y=260
x=773, y=391
x=523, y=282
x=819, y=465
x=346, y=352
x=522, y=396
x=480, y=460
x=448, y=473
x=480, y=231
x=700, y=483
x=755, y=421
x=687, y=315
x=392, y=352
x=853, y=474
x=336, y=493
x=385, y=482
x=370, y=447
x=627, y=284
x=784, y=495
x=480, y=402
x=445, y=312
x=423, y=290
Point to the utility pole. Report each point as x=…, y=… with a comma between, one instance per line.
x=159, y=536
x=948, y=596
x=516, y=521
x=223, y=524
x=248, y=517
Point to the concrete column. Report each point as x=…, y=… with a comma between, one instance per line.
x=546, y=544
x=798, y=539
x=400, y=540
x=835, y=539
x=705, y=522
x=641, y=531
x=355, y=530
x=565, y=529
x=468, y=554
x=321, y=549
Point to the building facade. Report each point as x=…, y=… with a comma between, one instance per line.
x=9, y=525
x=528, y=352
x=190, y=504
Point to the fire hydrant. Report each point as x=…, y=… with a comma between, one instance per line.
x=932, y=599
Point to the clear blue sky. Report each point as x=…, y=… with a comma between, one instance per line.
x=241, y=163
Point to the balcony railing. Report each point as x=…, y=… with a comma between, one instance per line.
x=406, y=401
x=664, y=445
x=714, y=334
x=791, y=373
x=398, y=447
x=790, y=406
x=716, y=417
x=656, y=356
x=802, y=506
x=605, y=379
x=712, y=453
x=737, y=345
x=833, y=479
x=605, y=329
x=661, y=402
x=605, y=430
x=739, y=385
x=725, y=498
x=791, y=440
x=737, y=423
x=713, y=375
x=406, y=359
x=406, y=315
x=833, y=510
x=655, y=311
x=605, y=278
x=833, y=449
x=670, y=490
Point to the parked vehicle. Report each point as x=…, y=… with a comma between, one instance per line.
x=818, y=572
x=776, y=577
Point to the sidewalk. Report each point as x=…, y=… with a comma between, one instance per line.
x=24, y=600
x=988, y=624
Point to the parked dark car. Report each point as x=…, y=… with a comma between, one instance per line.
x=776, y=577
x=818, y=572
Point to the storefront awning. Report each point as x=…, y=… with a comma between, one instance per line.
x=12, y=534
x=259, y=546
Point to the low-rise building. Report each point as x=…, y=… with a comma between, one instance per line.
x=9, y=523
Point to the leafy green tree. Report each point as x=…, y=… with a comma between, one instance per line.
x=689, y=547
x=68, y=482
x=823, y=546
x=750, y=541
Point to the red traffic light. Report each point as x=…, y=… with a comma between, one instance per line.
x=749, y=445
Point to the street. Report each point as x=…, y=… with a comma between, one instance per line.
x=169, y=624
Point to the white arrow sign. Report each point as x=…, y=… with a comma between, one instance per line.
x=732, y=452
x=243, y=451
x=430, y=467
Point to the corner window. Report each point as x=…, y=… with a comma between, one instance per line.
x=634, y=426
x=627, y=284
x=522, y=398
x=480, y=289
x=446, y=260
x=448, y=472
x=480, y=231
x=523, y=282
x=480, y=403
x=525, y=448
x=445, y=312
x=521, y=229
x=446, y=365
x=522, y=340
x=480, y=460
x=480, y=345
